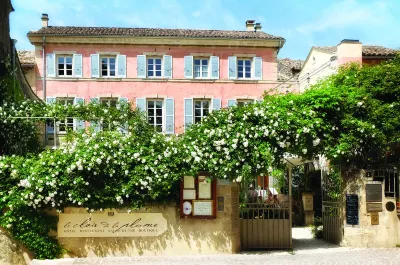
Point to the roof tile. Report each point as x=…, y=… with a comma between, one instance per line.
x=152, y=32
x=26, y=57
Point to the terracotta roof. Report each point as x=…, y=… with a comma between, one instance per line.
x=367, y=50
x=289, y=69
x=152, y=32
x=331, y=49
x=378, y=51
x=26, y=57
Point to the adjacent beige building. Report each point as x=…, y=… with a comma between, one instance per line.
x=323, y=61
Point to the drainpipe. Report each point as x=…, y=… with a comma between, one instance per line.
x=44, y=69
x=44, y=86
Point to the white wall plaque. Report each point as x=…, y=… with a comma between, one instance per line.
x=188, y=182
x=187, y=208
x=110, y=223
x=204, y=190
x=202, y=208
x=189, y=194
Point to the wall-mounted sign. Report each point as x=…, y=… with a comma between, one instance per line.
x=220, y=204
x=203, y=208
x=374, y=218
x=373, y=192
x=352, y=209
x=374, y=207
x=189, y=194
x=187, y=208
x=188, y=182
x=104, y=224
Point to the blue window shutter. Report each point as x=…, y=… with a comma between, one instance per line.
x=257, y=68
x=167, y=61
x=79, y=124
x=216, y=104
x=51, y=65
x=121, y=64
x=214, y=67
x=50, y=123
x=95, y=65
x=141, y=66
x=169, y=116
x=95, y=124
x=123, y=128
x=188, y=65
x=141, y=104
x=232, y=102
x=77, y=64
x=232, y=67
x=188, y=112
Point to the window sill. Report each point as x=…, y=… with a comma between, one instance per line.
x=64, y=78
x=252, y=81
x=108, y=79
x=201, y=80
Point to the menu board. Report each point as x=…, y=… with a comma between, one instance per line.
x=203, y=208
x=352, y=210
x=373, y=192
x=204, y=190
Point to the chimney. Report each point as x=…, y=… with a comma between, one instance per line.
x=257, y=27
x=250, y=25
x=45, y=20
x=349, y=51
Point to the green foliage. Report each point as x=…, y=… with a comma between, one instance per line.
x=316, y=228
x=351, y=118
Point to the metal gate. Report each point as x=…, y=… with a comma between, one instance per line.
x=265, y=220
x=332, y=204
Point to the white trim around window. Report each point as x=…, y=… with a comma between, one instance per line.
x=155, y=112
x=65, y=65
x=201, y=68
x=201, y=109
x=68, y=123
x=245, y=68
x=108, y=66
x=154, y=67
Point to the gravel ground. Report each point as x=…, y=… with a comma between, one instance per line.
x=306, y=250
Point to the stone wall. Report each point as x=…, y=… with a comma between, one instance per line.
x=10, y=251
x=386, y=234
x=183, y=236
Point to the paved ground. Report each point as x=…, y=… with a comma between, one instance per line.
x=306, y=250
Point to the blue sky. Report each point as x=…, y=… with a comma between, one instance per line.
x=303, y=23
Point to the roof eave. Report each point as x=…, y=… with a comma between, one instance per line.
x=162, y=40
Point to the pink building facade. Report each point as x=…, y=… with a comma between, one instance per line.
x=176, y=76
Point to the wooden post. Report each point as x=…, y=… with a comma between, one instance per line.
x=289, y=167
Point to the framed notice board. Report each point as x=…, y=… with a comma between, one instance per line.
x=352, y=210
x=198, y=197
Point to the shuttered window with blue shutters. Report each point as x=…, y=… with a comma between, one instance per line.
x=121, y=66
x=188, y=66
x=95, y=65
x=167, y=62
x=169, y=116
x=141, y=66
x=188, y=112
x=214, y=63
x=77, y=65
x=50, y=65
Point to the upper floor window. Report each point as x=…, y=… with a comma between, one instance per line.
x=155, y=113
x=108, y=66
x=154, y=67
x=64, y=63
x=201, y=68
x=244, y=68
x=109, y=102
x=244, y=102
x=201, y=109
x=67, y=124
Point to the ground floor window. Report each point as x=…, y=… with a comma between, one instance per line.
x=244, y=102
x=201, y=109
x=65, y=125
x=109, y=102
x=155, y=113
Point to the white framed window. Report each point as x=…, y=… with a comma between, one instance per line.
x=108, y=66
x=109, y=102
x=244, y=102
x=64, y=65
x=65, y=125
x=154, y=67
x=201, y=66
x=155, y=113
x=244, y=68
x=201, y=109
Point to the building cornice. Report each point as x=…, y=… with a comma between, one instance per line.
x=160, y=41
